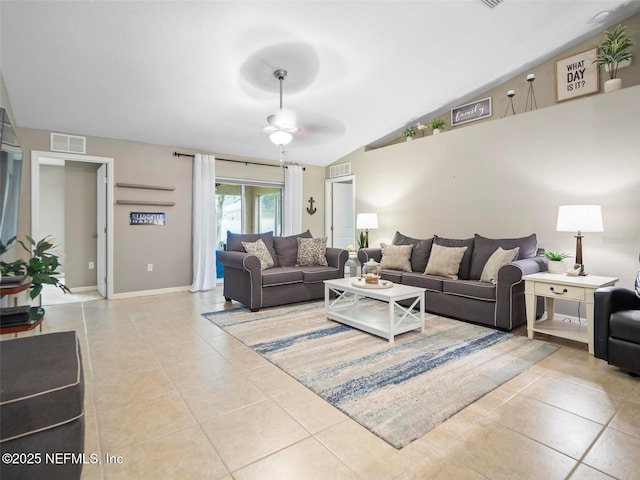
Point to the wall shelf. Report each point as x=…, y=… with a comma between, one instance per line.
x=145, y=202
x=145, y=187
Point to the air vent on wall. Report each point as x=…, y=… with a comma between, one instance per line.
x=340, y=170
x=491, y=3
x=68, y=143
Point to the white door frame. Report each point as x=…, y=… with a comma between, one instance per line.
x=328, y=202
x=35, y=199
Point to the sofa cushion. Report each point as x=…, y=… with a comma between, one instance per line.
x=484, y=247
x=421, y=280
x=394, y=276
x=396, y=257
x=281, y=276
x=259, y=249
x=312, y=251
x=445, y=261
x=234, y=242
x=470, y=289
x=498, y=259
x=465, y=263
x=419, y=254
x=286, y=248
x=317, y=273
x=625, y=325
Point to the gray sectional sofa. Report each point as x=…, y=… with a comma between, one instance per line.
x=499, y=303
x=246, y=281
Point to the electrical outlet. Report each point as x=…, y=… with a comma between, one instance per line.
x=92, y=265
x=149, y=267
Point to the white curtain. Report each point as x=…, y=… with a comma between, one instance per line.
x=292, y=200
x=204, y=223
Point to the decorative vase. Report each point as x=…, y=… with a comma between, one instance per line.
x=408, y=139
x=436, y=131
x=612, y=85
x=555, y=266
x=371, y=271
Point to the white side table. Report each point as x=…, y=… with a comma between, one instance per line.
x=552, y=286
x=353, y=264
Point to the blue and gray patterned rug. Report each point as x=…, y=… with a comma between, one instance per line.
x=398, y=391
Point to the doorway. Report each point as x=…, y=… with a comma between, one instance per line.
x=93, y=169
x=340, y=197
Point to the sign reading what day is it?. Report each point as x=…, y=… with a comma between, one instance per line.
x=147, y=218
x=577, y=75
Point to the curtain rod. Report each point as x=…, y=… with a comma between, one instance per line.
x=178, y=154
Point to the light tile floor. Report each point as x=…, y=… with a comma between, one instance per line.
x=176, y=397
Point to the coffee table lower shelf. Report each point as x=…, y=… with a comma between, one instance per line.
x=374, y=321
x=396, y=319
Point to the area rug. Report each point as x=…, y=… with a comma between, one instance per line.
x=398, y=391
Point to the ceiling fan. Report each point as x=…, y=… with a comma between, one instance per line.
x=281, y=125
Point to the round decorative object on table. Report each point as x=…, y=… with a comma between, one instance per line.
x=371, y=272
x=360, y=283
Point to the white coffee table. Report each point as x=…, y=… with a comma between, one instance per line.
x=564, y=287
x=348, y=309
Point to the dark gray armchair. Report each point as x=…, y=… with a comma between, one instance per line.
x=617, y=326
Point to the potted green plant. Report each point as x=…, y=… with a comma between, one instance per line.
x=436, y=125
x=556, y=264
x=362, y=240
x=408, y=133
x=42, y=267
x=613, y=51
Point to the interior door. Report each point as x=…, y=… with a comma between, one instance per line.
x=341, y=212
x=101, y=214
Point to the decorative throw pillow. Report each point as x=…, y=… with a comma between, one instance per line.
x=419, y=254
x=259, y=249
x=396, y=257
x=312, y=251
x=499, y=258
x=465, y=263
x=484, y=247
x=445, y=261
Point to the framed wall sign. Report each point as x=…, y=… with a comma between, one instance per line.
x=577, y=75
x=147, y=218
x=471, y=112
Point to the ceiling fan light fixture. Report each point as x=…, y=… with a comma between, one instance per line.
x=281, y=138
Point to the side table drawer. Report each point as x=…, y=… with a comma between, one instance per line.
x=559, y=291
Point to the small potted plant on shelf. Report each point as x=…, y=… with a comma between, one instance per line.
x=408, y=133
x=555, y=265
x=614, y=51
x=436, y=125
x=42, y=266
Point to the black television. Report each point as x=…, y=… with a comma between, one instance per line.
x=10, y=180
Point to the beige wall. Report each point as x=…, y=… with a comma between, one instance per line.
x=168, y=248
x=508, y=177
x=544, y=84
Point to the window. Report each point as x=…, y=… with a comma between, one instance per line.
x=243, y=207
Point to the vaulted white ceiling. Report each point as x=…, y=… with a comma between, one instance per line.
x=199, y=75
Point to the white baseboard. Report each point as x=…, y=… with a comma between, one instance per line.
x=149, y=293
x=84, y=289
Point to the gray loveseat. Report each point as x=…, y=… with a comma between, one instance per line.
x=247, y=282
x=499, y=305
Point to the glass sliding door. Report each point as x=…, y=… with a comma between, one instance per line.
x=247, y=207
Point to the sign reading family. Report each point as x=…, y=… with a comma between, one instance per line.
x=146, y=218
x=471, y=112
x=577, y=75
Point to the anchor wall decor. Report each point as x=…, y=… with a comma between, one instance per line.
x=311, y=209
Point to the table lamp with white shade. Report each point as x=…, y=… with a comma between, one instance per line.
x=579, y=218
x=365, y=221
